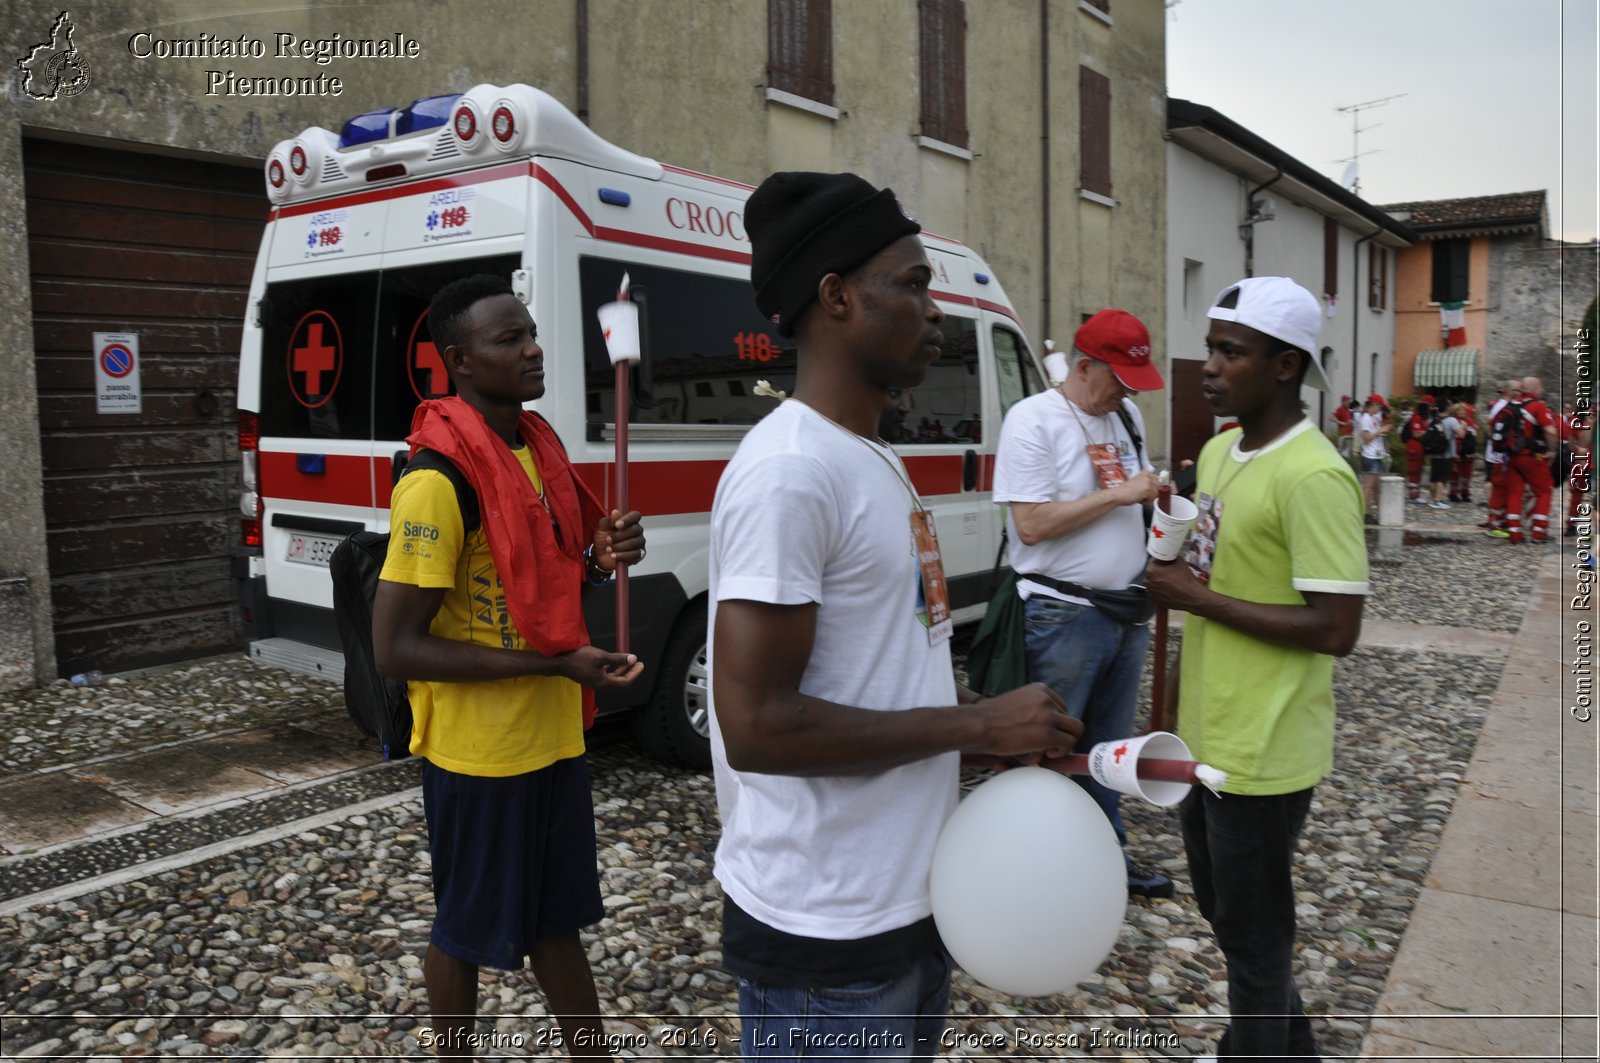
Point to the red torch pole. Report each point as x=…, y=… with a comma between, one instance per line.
x=1158, y=676
x=623, y=389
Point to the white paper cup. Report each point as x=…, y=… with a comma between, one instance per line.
x=619, y=323
x=1169, y=530
x=1055, y=367
x=1115, y=765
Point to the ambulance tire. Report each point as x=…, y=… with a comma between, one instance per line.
x=675, y=725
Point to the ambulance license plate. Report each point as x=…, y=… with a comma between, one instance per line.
x=310, y=549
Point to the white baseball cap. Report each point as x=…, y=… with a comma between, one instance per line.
x=1282, y=309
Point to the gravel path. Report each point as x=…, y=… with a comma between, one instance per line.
x=310, y=943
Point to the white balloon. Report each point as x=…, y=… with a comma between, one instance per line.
x=1028, y=882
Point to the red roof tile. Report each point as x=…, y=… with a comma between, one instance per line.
x=1473, y=210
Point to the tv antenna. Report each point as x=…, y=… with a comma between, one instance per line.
x=1356, y=129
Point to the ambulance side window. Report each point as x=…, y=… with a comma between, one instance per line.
x=316, y=357
x=705, y=346
x=1013, y=368
x=409, y=366
x=946, y=407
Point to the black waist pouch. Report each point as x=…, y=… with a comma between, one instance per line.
x=1129, y=605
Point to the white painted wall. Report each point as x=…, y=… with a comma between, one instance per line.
x=1205, y=206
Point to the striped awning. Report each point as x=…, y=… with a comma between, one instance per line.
x=1456, y=367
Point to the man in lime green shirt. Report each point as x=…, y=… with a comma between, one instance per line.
x=1273, y=579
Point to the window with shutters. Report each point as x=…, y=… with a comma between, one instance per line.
x=1450, y=266
x=800, y=48
x=943, y=26
x=1330, y=256
x=1094, y=132
x=1377, y=277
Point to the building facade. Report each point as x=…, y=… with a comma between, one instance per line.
x=136, y=137
x=1238, y=206
x=1524, y=295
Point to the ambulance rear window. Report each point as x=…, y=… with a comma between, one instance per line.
x=316, y=357
x=350, y=356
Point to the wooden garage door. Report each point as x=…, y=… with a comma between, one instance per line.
x=141, y=509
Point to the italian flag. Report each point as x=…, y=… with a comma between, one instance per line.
x=1453, y=319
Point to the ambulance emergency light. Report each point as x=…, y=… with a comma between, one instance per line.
x=435, y=134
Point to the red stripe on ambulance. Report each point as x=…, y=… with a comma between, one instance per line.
x=660, y=488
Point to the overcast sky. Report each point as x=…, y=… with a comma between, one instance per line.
x=1500, y=95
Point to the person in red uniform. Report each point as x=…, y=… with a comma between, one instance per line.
x=1344, y=420
x=1416, y=428
x=1528, y=469
x=1497, y=464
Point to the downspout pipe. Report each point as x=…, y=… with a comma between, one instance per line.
x=1044, y=163
x=1249, y=204
x=1355, y=313
x=583, y=61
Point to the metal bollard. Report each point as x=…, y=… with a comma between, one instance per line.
x=1391, y=501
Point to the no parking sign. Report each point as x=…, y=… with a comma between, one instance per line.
x=116, y=373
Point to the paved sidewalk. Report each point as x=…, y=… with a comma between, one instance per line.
x=1499, y=957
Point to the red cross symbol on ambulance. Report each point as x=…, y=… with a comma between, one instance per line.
x=316, y=359
x=424, y=364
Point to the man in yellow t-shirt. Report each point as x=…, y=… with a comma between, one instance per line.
x=495, y=662
x=1273, y=581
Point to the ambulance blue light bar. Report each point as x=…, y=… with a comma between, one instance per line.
x=430, y=112
x=615, y=196
x=365, y=128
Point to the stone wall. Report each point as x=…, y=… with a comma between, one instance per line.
x=1538, y=292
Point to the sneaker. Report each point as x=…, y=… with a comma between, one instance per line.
x=1439, y=505
x=1417, y=501
x=1499, y=533
x=1143, y=882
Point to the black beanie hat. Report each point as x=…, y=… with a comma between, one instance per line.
x=804, y=226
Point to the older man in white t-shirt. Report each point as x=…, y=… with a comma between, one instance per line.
x=1074, y=473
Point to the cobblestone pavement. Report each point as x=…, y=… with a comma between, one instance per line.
x=292, y=920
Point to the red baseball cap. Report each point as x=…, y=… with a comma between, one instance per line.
x=1120, y=340
x=1378, y=399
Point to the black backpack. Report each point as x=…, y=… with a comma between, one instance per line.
x=379, y=705
x=1433, y=441
x=1513, y=431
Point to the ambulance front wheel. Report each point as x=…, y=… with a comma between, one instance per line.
x=675, y=725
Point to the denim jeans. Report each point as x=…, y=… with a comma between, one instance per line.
x=901, y=1018
x=1094, y=664
x=1241, y=850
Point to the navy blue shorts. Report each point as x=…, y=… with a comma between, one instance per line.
x=513, y=860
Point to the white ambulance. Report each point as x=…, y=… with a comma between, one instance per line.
x=367, y=223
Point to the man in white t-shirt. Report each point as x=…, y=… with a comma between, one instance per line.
x=838, y=725
x=1075, y=477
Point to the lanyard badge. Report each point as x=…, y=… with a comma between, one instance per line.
x=1108, y=467
x=933, y=603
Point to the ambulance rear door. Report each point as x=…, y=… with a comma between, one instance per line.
x=317, y=320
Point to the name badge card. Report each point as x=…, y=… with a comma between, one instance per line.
x=934, y=608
